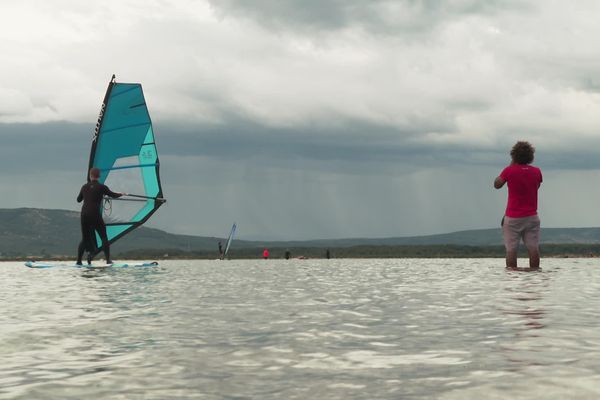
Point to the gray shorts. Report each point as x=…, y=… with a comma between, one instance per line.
x=527, y=228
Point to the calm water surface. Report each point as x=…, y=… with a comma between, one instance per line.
x=302, y=329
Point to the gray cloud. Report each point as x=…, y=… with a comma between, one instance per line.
x=350, y=147
x=54, y=146
x=311, y=119
x=382, y=16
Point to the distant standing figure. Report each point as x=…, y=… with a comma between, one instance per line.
x=265, y=254
x=220, y=250
x=288, y=254
x=92, y=194
x=521, y=220
x=327, y=254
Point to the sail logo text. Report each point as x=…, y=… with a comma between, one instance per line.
x=97, y=130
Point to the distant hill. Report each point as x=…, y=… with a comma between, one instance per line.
x=32, y=231
x=478, y=237
x=41, y=232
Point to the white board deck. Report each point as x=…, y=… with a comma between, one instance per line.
x=50, y=264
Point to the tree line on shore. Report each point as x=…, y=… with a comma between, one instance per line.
x=404, y=251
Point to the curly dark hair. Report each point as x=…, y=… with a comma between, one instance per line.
x=522, y=153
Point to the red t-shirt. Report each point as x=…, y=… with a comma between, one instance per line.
x=523, y=184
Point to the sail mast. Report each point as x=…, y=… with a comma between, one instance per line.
x=99, y=125
x=229, y=239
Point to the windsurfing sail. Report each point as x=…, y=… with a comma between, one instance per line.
x=229, y=239
x=124, y=150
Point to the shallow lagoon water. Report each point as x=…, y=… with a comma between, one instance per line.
x=302, y=329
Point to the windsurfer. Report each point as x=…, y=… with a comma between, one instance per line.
x=92, y=194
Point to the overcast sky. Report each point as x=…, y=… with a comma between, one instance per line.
x=311, y=119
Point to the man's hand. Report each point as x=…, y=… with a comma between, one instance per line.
x=499, y=182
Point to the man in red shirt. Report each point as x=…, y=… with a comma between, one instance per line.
x=521, y=219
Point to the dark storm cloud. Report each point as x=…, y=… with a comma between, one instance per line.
x=357, y=147
x=348, y=141
x=391, y=16
x=52, y=146
x=352, y=179
x=353, y=147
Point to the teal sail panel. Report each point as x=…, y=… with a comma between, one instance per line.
x=124, y=150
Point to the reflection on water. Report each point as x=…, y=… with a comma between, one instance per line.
x=335, y=329
x=524, y=301
x=527, y=299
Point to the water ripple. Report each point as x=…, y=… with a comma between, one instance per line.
x=337, y=329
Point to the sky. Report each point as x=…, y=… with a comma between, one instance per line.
x=311, y=119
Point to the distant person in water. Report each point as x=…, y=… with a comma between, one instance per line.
x=265, y=254
x=92, y=194
x=521, y=220
x=220, y=250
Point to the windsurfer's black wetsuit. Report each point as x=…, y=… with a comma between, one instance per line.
x=92, y=194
